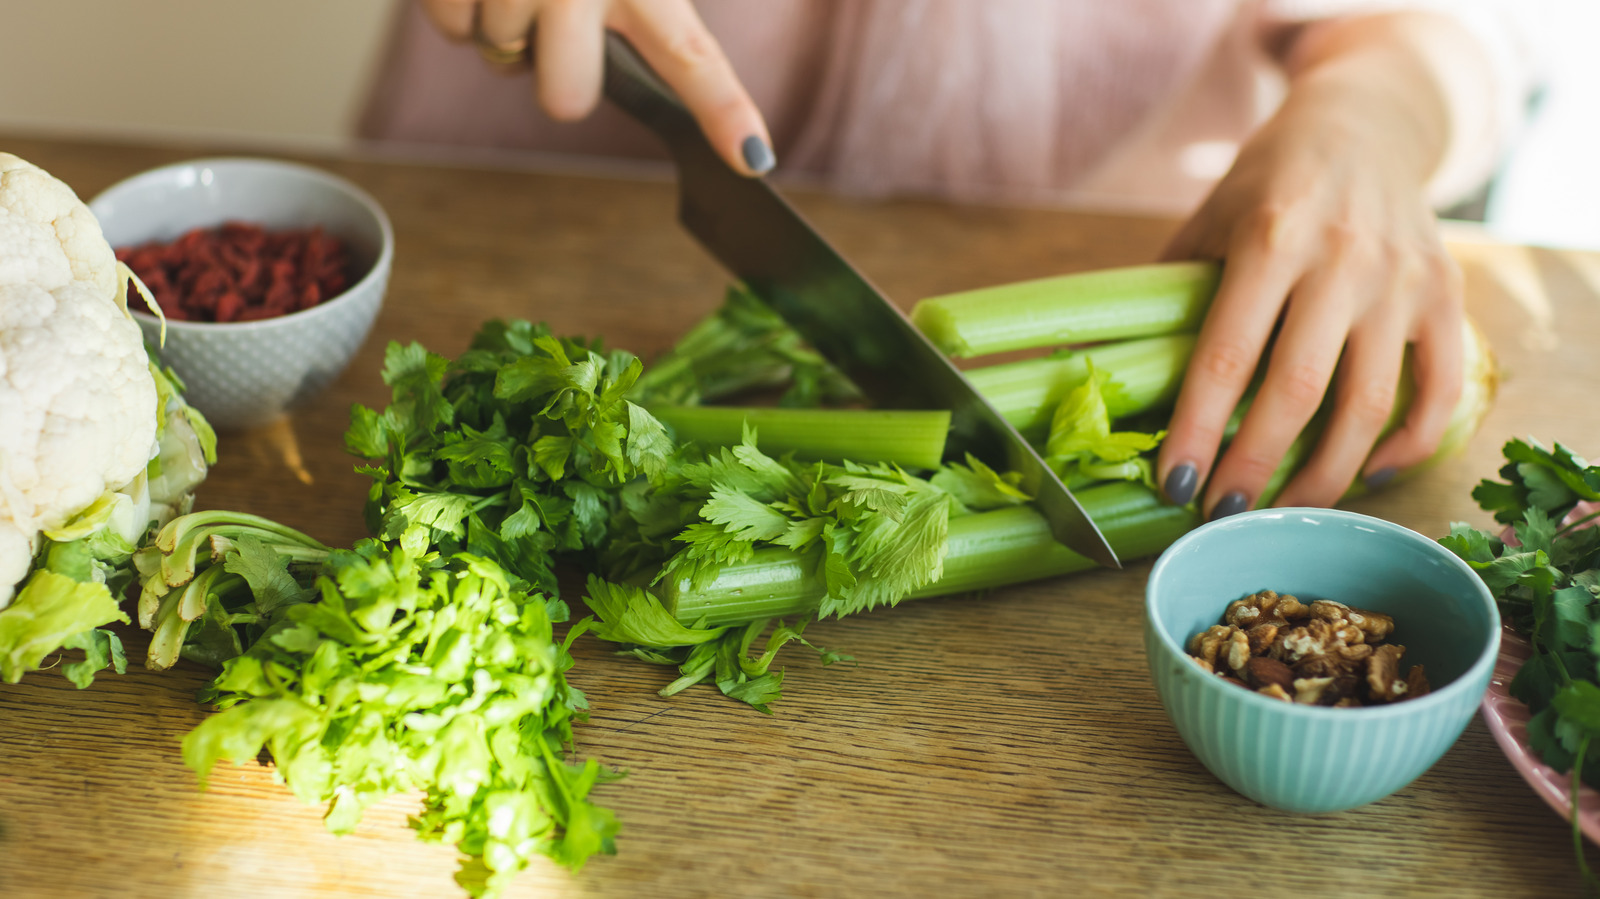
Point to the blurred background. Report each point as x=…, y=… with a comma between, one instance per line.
x=292, y=75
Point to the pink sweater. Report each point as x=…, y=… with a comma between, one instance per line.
x=1127, y=104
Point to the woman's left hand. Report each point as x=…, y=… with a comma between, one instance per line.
x=1333, y=257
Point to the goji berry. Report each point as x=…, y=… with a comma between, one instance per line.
x=239, y=271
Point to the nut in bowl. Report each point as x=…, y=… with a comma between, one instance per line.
x=243, y=373
x=1310, y=757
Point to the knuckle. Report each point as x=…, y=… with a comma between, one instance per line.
x=692, y=49
x=1270, y=227
x=1342, y=237
x=1353, y=245
x=1370, y=404
x=1226, y=363
x=1302, y=384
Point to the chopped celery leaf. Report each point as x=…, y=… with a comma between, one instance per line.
x=1082, y=448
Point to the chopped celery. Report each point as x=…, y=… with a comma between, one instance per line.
x=987, y=549
x=1112, y=304
x=911, y=439
x=1147, y=373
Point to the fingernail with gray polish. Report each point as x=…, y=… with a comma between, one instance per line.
x=1232, y=503
x=1180, y=484
x=1380, y=478
x=757, y=155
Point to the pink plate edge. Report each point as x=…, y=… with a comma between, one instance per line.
x=1507, y=719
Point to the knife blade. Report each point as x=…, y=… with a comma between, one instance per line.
x=766, y=244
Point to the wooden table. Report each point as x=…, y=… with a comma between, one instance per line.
x=1005, y=746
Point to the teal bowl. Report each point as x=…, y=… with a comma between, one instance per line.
x=1304, y=758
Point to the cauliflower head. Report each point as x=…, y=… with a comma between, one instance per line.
x=77, y=395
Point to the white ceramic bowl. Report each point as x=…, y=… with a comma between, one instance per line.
x=242, y=374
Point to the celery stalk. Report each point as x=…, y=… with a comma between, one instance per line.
x=911, y=439
x=1027, y=392
x=986, y=550
x=1112, y=304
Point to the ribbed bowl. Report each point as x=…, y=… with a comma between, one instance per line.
x=1308, y=758
x=242, y=374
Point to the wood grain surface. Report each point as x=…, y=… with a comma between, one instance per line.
x=1004, y=745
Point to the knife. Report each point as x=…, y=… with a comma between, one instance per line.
x=765, y=243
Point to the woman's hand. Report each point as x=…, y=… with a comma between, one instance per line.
x=1328, y=243
x=569, y=53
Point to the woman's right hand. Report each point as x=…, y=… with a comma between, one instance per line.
x=569, y=59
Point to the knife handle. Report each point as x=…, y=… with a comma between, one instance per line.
x=633, y=86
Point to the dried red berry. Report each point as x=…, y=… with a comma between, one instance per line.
x=240, y=272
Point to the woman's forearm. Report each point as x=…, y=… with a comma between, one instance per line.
x=1419, y=82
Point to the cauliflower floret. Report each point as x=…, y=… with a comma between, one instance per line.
x=76, y=394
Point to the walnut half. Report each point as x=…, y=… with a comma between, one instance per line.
x=1383, y=673
x=1265, y=607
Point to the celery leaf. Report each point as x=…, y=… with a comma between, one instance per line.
x=1082, y=448
x=629, y=614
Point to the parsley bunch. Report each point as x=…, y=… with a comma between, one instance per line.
x=515, y=451
x=1547, y=581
